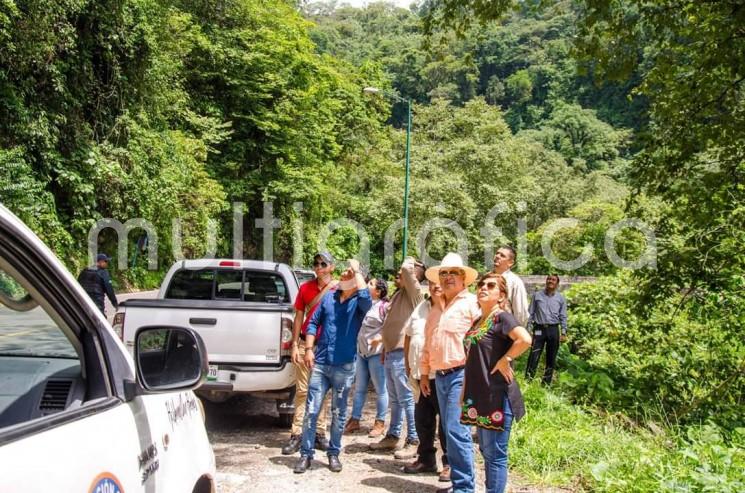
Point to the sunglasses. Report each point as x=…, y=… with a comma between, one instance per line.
x=322, y=264
x=454, y=272
x=489, y=285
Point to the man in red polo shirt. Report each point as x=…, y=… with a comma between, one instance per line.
x=306, y=302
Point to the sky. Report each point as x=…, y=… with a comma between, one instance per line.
x=361, y=3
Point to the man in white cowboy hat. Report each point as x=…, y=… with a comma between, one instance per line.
x=444, y=354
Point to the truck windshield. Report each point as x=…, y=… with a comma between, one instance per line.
x=29, y=333
x=249, y=285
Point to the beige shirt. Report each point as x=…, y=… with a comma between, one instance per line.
x=518, y=297
x=443, y=345
x=400, y=309
x=415, y=329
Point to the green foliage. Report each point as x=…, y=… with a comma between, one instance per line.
x=681, y=363
x=558, y=443
x=594, y=220
x=585, y=141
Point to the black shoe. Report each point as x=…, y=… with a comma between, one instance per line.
x=292, y=446
x=334, y=464
x=303, y=464
x=322, y=443
x=445, y=490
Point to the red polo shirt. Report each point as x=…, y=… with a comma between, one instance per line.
x=308, y=291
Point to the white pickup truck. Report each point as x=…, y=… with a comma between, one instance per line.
x=77, y=413
x=243, y=310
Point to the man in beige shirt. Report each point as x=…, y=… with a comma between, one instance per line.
x=400, y=395
x=444, y=353
x=504, y=259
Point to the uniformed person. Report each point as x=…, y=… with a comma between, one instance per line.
x=97, y=282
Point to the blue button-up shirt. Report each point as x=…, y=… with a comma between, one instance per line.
x=548, y=309
x=341, y=323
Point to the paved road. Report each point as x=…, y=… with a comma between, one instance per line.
x=35, y=332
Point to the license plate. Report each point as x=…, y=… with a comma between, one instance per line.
x=212, y=374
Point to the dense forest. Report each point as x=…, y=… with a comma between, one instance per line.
x=523, y=113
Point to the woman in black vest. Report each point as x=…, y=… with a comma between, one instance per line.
x=491, y=397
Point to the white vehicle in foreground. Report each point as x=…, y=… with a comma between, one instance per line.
x=243, y=309
x=77, y=414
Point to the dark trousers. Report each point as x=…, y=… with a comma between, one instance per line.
x=543, y=335
x=426, y=411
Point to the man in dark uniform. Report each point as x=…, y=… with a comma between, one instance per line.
x=97, y=282
x=548, y=311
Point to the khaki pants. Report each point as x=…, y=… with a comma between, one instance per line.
x=301, y=396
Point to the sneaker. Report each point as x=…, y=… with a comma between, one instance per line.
x=445, y=474
x=389, y=442
x=417, y=467
x=378, y=429
x=409, y=450
x=352, y=426
x=322, y=443
x=292, y=446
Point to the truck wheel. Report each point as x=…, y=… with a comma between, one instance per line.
x=285, y=420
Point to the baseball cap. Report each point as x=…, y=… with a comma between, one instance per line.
x=102, y=257
x=325, y=256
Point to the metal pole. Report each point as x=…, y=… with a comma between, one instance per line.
x=406, y=182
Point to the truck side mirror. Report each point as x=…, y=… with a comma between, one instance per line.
x=169, y=358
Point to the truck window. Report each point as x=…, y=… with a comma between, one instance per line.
x=188, y=284
x=265, y=287
x=229, y=284
x=29, y=333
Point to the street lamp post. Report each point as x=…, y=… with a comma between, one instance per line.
x=395, y=97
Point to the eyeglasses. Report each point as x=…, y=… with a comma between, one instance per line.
x=322, y=264
x=454, y=272
x=489, y=285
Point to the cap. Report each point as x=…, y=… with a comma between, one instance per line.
x=325, y=256
x=102, y=257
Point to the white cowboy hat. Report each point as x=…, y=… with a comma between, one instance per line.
x=451, y=260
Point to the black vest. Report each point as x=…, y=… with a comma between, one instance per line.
x=93, y=285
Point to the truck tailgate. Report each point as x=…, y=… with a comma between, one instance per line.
x=233, y=332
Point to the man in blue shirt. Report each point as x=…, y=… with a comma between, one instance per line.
x=548, y=310
x=330, y=355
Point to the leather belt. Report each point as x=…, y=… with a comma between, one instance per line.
x=442, y=373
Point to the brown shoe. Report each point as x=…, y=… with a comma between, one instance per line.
x=417, y=467
x=445, y=474
x=408, y=451
x=378, y=429
x=388, y=443
x=352, y=426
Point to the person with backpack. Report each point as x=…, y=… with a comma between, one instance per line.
x=97, y=283
x=369, y=363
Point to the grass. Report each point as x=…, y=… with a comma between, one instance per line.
x=560, y=444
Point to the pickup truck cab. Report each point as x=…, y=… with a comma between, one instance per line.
x=77, y=412
x=243, y=309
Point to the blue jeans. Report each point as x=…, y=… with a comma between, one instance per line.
x=493, y=447
x=401, y=396
x=458, y=436
x=369, y=367
x=322, y=379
